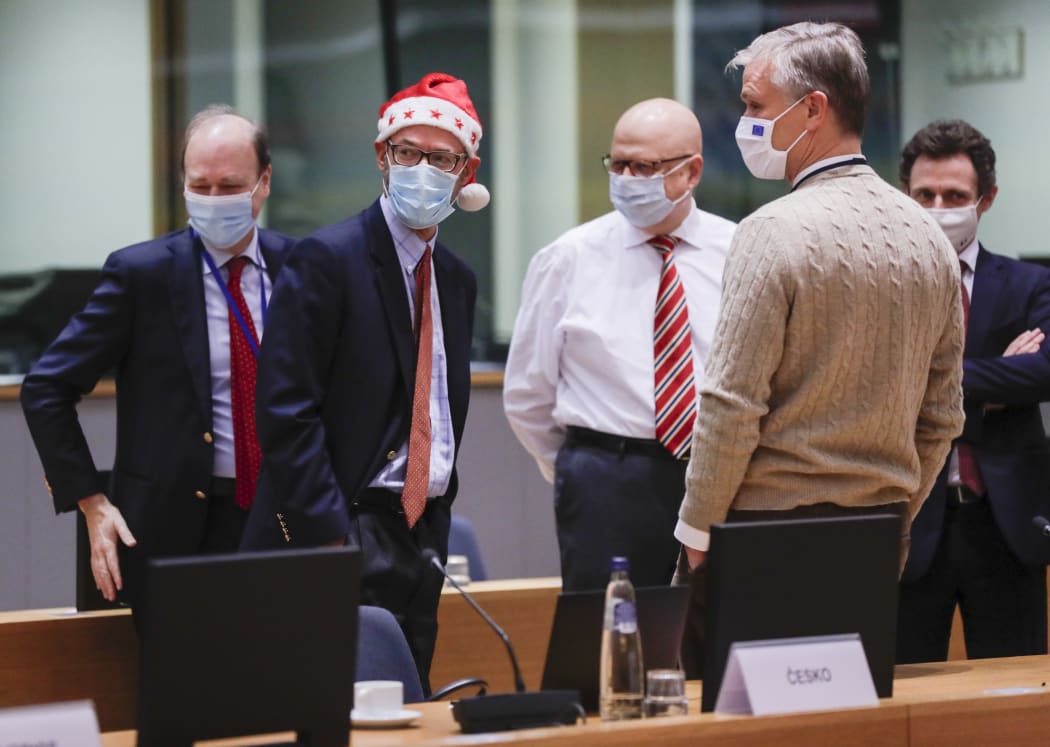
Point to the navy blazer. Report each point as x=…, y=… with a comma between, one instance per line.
x=336, y=376
x=146, y=322
x=1009, y=297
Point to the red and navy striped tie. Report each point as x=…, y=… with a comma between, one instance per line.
x=673, y=357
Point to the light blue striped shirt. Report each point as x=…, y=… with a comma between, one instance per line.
x=410, y=250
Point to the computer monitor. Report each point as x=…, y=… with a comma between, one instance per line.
x=574, y=650
x=809, y=577
x=248, y=644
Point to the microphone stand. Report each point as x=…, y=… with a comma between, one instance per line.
x=519, y=683
x=506, y=711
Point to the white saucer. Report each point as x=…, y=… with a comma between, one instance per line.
x=403, y=717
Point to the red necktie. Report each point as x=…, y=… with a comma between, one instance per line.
x=417, y=471
x=675, y=393
x=246, y=452
x=969, y=473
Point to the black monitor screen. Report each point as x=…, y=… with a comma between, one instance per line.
x=249, y=644
x=810, y=577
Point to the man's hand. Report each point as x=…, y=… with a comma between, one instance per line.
x=1026, y=342
x=105, y=525
x=696, y=558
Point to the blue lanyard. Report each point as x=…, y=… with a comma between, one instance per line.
x=214, y=271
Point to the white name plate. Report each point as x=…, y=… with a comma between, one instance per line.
x=790, y=675
x=71, y=724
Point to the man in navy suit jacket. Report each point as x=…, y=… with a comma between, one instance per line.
x=973, y=542
x=158, y=320
x=337, y=374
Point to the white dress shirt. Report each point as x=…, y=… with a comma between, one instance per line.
x=218, y=316
x=410, y=250
x=582, y=349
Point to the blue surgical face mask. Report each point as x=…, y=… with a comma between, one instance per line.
x=221, y=220
x=420, y=195
x=642, y=200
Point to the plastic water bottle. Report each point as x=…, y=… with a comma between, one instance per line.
x=622, y=678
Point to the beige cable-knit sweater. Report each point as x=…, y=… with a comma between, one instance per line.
x=836, y=370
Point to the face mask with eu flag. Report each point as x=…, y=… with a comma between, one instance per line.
x=754, y=138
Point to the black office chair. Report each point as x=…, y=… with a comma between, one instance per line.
x=383, y=654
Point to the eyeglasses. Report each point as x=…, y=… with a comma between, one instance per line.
x=409, y=155
x=638, y=168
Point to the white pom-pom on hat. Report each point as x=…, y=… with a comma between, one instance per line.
x=473, y=197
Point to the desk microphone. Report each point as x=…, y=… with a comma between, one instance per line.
x=516, y=710
x=1042, y=524
x=432, y=557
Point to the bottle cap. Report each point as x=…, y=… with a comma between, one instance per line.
x=619, y=563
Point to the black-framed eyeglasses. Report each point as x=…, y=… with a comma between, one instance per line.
x=638, y=168
x=410, y=155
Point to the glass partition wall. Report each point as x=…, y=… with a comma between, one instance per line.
x=96, y=97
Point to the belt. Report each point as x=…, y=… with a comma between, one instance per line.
x=222, y=487
x=621, y=445
x=960, y=495
x=380, y=498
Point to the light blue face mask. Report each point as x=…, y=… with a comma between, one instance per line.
x=642, y=200
x=420, y=195
x=221, y=220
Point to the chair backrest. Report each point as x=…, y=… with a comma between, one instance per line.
x=383, y=653
x=463, y=540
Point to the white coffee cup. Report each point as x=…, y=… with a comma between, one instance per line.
x=378, y=698
x=458, y=567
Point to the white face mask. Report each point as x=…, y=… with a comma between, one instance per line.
x=642, y=200
x=754, y=137
x=221, y=220
x=959, y=224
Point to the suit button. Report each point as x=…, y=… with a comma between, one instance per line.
x=201, y=494
x=391, y=455
x=208, y=438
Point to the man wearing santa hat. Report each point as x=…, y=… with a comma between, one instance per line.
x=364, y=374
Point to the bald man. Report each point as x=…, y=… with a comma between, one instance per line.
x=616, y=319
x=162, y=321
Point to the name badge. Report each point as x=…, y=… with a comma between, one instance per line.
x=71, y=724
x=790, y=675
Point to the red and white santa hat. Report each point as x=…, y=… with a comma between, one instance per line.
x=438, y=100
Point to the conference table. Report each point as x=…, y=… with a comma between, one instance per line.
x=958, y=703
x=54, y=655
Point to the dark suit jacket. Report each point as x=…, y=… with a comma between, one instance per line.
x=336, y=376
x=146, y=322
x=1008, y=298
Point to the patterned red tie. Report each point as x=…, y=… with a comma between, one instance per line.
x=969, y=473
x=675, y=393
x=417, y=471
x=246, y=452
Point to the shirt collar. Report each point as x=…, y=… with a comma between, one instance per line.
x=409, y=246
x=220, y=258
x=969, y=254
x=689, y=231
x=821, y=164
